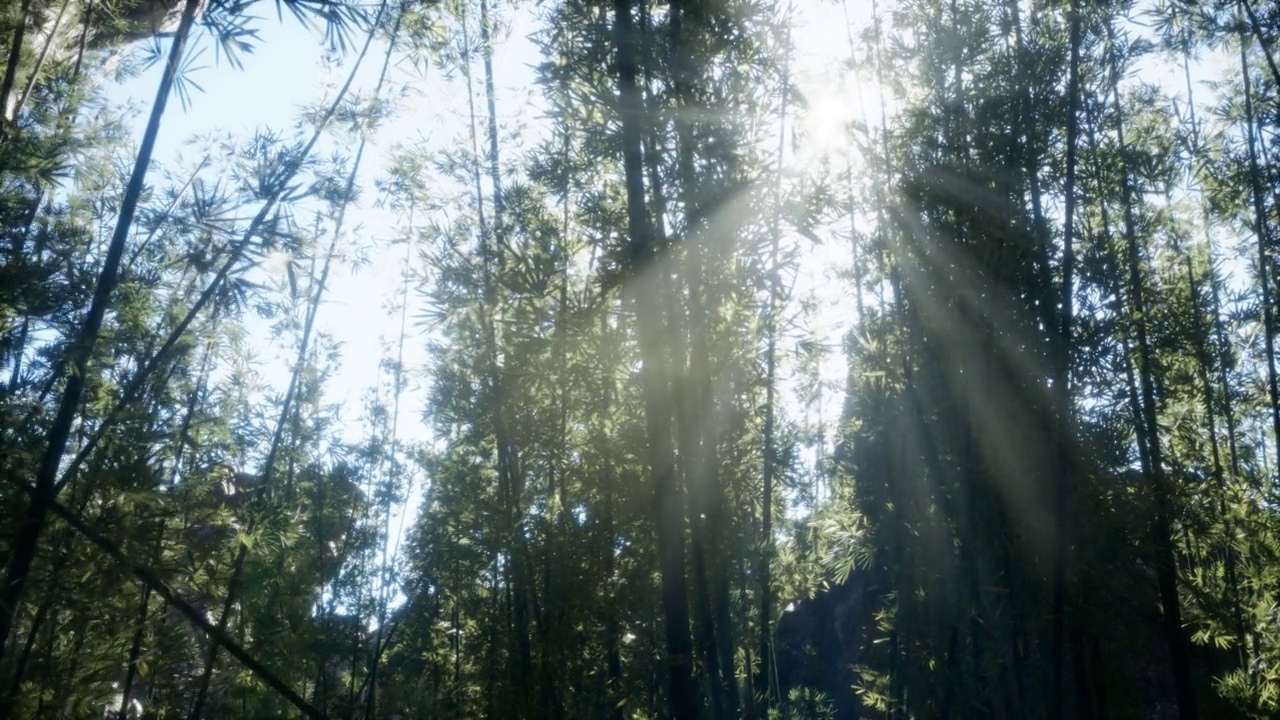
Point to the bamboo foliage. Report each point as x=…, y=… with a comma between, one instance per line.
x=600, y=463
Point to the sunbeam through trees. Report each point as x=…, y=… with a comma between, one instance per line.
x=699, y=359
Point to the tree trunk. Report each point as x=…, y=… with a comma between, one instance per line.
x=691, y=390
x=613, y=659
x=24, y=330
x=1261, y=230
x=44, y=55
x=135, y=651
x=1204, y=358
x=765, y=681
x=510, y=481
x=1256, y=26
x=1062, y=375
x=26, y=544
x=644, y=291
x=1166, y=568
x=705, y=482
x=11, y=67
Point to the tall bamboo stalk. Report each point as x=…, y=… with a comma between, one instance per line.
x=26, y=545
x=11, y=66
x=1261, y=229
x=1062, y=372
x=1166, y=568
x=644, y=281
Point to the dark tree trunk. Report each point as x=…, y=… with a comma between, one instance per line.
x=26, y=544
x=667, y=495
x=1062, y=375
x=11, y=67
x=1166, y=568
x=135, y=651
x=1262, y=231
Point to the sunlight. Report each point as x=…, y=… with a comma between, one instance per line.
x=834, y=107
x=565, y=360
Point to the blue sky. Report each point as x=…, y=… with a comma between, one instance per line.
x=287, y=71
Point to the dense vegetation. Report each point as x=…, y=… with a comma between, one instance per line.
x=597, y=473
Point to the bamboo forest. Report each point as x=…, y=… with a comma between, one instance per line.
x=691, y=359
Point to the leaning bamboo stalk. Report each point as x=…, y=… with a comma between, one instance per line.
x=150, y=577
x=26, y=544
x=233, y=583
x=281, y=190
x=40, y=60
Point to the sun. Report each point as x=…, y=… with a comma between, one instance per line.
x=833, y=114
x=842, y=89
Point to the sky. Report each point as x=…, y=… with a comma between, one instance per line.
x=287, y=71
